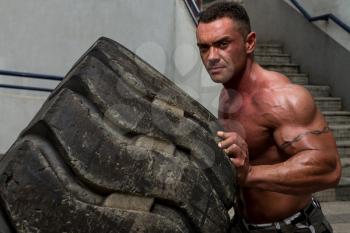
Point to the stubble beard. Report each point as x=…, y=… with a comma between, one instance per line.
x=224, y=76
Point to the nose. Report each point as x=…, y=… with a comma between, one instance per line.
x=213, y=56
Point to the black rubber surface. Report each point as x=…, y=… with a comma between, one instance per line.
x=117, y=147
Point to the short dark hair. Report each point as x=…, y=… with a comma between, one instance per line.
x=232, y=10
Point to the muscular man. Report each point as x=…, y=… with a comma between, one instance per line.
x=275, y=136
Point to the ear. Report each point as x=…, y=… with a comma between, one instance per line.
x=250, y=42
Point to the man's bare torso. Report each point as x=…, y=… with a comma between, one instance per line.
x=245, y=113
x=274, y=135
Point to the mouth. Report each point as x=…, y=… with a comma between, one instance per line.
x=215, y=69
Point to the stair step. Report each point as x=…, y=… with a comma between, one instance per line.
x=298, y=78
x=343, y=148
x=271, y=57
x=276, y=58
x=328, y=103
x=337, y=117
x=318, y=91
x=345, y=162
x=340, y=193
x=269, y=48
x=282, y=68
x=341, y=132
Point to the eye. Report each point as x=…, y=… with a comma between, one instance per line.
x=223, y=44
x=203, y=49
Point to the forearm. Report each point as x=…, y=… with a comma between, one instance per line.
x=299, y=175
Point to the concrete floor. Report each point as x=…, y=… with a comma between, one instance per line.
x=338, y=214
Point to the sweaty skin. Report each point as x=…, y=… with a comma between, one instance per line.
x=275, y=136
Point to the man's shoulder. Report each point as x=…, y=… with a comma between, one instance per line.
x=284, y=101
x=276, y=86
x=283, y=93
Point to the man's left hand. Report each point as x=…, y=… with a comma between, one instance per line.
x=235, y=147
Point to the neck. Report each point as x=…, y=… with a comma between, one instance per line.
x=242, y=82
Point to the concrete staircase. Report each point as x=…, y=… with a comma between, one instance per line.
x=272, y=57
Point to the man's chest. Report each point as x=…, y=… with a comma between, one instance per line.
x=249, y=123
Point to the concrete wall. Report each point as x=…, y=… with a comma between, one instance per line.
x=49, y=36
x=339, y=8
x=17, y=109
x=325, y=60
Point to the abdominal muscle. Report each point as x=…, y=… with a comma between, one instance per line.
x=259, y=206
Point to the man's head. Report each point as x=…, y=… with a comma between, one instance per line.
x=232, y=10
x=225, y=40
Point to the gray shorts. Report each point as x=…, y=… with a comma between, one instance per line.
x=308, y=220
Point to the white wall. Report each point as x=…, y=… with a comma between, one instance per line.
x=339, y=8
x=49, y=36
x=17, y=109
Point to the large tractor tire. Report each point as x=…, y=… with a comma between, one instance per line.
x=116, y=147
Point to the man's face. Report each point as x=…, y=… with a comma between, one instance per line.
x=222, y=49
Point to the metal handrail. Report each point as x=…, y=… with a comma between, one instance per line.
x=29, y=75
x=193, y=9
x=326, y=17
x=26, y=88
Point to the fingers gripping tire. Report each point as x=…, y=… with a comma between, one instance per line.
x=116, y=147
